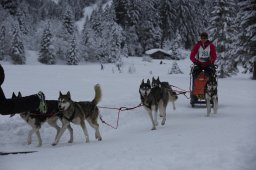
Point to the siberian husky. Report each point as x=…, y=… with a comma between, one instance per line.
x=35, y=120
x=77, y=112
x=165, y=85
x=153, y=99
x=211, y=95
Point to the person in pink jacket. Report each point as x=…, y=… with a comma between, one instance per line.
x=203, y=55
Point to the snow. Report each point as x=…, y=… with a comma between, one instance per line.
x=152, y=51
x=87, y=14
x=188, y=140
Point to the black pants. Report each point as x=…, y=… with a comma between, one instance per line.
x=209, y=70
x=18, y=105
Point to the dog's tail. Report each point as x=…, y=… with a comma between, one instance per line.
x=98, y=94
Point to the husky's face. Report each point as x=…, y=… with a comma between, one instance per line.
x=211, y=85
x=156, y=82
x=145, y=88
x=64, y=101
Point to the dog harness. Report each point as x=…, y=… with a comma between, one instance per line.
x=71, y=117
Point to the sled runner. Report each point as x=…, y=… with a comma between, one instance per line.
x=19, y=152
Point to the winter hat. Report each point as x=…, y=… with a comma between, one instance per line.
x=204, y=34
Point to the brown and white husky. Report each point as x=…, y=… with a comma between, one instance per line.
x=77, y=112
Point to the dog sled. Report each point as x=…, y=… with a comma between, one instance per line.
x=198, y=86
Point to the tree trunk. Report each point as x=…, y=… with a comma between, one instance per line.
x=254, y=71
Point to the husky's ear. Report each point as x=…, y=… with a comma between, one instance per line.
x=13, y=95
x=153, y=78
x=142, y=82
x=158, y=78
x=68, y=94
x=148, y=81
x=19, y=94
x=60, y=94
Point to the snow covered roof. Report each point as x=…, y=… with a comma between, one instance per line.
x=154, y=50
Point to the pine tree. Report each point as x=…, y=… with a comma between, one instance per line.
x=68, y=22
x=131, y=69
x=103, y=37
x=97, y=21
x=127, y=12
x=64, y=30
x=86, y=39
x=92, y=37
x=72, y=56
x=110, y=45
x=188, y=22
x=24, y=19
x=46, y=54
x=247, y=42
x=148, y=27
x=132, y=42
x=175, y=51
x=17, y=52
x=168, y=20
x=175, y=69
x=222, y=31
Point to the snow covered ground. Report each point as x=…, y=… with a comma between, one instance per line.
x=188, y=141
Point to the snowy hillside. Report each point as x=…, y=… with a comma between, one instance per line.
x=189, y=140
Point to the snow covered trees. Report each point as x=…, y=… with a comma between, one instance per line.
x=222, y=30
x=68, y=22
x=17, y=52
x=128, y=27
x=187, y=22
x=127, y=12
x=69, y=32
x=46, y=53
x=168, y=18
x=175, y=69
x=72, y=58
x=102, y=37
x=247, y=38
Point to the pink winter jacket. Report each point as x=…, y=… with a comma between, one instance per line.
x=195, y=49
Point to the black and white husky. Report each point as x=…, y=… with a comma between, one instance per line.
x=154, y=99
x=36, y=120
x=172, y=94
x=211, y=95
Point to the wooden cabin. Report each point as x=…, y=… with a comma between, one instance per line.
x=158, y=54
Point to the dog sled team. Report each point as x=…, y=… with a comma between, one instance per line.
x=155, y=96
x=67, y=111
